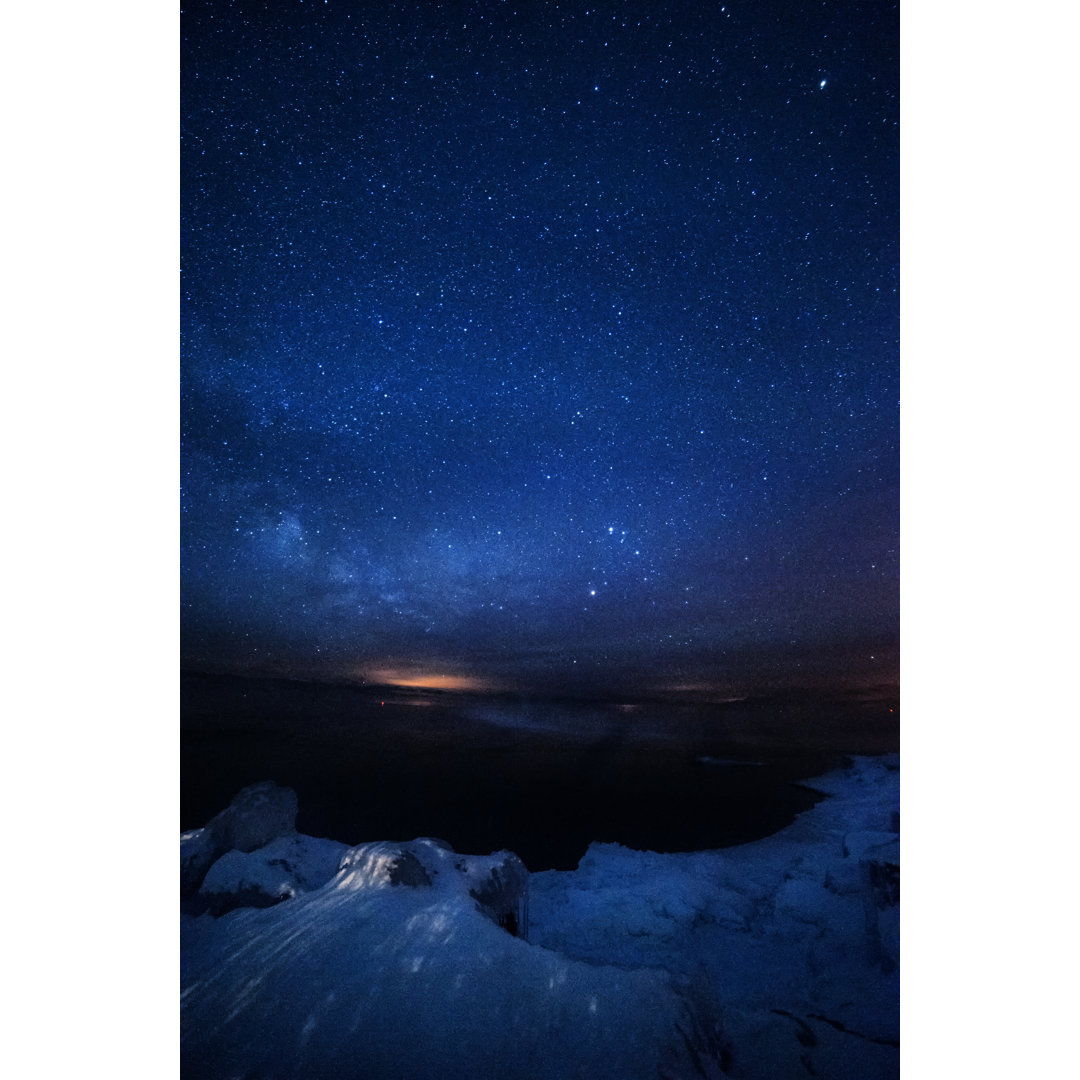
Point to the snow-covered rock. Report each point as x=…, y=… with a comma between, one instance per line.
x=376, y=976
x=197, y=855
x=499, y=884
x=382, y=863
x=771, y=960
x=793, y=939
x=257, y=814
x=284, y=868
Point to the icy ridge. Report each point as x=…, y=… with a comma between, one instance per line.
x=409, y=960
x=795, y=937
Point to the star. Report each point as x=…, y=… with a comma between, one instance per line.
x=391, y=390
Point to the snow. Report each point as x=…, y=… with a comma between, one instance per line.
x=366, y=978
x=773, y=959
x=787, y=934
x=281, y=870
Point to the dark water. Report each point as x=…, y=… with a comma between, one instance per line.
x=542, y=778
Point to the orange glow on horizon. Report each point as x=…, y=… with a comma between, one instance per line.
x=422, y=680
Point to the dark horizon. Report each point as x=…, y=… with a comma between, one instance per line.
x=451, y=687
x=541, y=776
x=843, y=673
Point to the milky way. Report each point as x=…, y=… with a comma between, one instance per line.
x=541, y=344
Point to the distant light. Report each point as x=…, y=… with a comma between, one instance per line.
x=821, y=85
x=418, y=679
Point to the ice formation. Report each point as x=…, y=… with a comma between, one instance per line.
x=408, y=960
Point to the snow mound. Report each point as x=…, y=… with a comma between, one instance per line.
x=794, y=940
x=256, y=816
x=408, y=960
x=399, y=967
x=284, y=868
x=498, y=883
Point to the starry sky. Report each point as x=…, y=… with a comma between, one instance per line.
x=541, y=345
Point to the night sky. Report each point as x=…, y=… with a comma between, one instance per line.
x=541, y=346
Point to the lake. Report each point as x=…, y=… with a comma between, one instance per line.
x=540, y=777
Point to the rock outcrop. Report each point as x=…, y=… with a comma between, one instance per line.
x=258, y=814
x=500, y=886
x=251, y=856
x=286, y=867
x=777, y=958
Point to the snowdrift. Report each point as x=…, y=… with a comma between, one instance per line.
x=304, y=958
